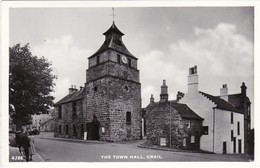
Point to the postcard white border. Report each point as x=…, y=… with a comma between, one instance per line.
x=6, y=5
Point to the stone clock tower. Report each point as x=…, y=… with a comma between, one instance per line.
x=112, y=103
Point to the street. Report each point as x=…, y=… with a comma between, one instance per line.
x=52, y=150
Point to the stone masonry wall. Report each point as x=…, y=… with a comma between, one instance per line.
x=158, y=126
x=68, y=119
x=110, y=102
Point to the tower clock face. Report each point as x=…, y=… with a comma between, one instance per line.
x=124, y=59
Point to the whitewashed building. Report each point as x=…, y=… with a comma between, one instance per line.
x=223, y=124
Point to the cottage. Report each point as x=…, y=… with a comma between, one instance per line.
x=172, y=124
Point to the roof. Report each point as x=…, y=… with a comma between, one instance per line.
x=113, y=28
x=47, y=121
x=237, y=100
x=77, y=95
x=183, y=109
x=221, y=103
x=112, y=43
x=186, y=112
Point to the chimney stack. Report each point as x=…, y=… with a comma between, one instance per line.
x=164, y=92
x=243, y=89
x=71, y=89
x=179, y=95
x=152, y=99
x=193, y=80
x=224, y=92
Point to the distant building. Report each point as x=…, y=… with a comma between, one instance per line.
x=174, y=123
x=48, y=126
x=39, y=119
x=108, y=106
x=224, y=122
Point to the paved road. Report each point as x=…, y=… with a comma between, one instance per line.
x=63, y=151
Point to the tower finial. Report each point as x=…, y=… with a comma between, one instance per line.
x=113, y=14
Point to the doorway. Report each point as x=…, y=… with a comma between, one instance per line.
x=224, y=147
x=234, y=144
x=239, y=146
x=93, y=129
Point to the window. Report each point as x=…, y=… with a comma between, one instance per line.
x=98, y=60
x=238, y=128
x=67, y=129
x=60, y=129
x=95, y=88
x=232, y=118
x=74, y=129
x=74, y=109
x=129, y=62
x=205, y=130
x=59, y=111
x=188, y=125
x=118, y=58
x=232, y=135
x=128, y=118
x=192, y=139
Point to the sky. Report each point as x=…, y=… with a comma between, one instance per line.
x=166, y=40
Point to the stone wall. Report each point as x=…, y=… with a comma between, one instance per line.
x=110, y=68
x=162, y=120
x=112, y=56
x=109, y=102
x=68, y=119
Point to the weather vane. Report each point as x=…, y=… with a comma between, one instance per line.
x=113, y=14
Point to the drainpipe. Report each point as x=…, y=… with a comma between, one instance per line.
x=170, y=125
x=214, y=128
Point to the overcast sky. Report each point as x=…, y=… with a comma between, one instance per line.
x=167, y=41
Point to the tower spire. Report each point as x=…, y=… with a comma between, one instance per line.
x=113, y=14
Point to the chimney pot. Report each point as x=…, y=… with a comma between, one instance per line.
x=224, y=92
x=193, y=80
x=152, y=99
x=243, y=89
x=164, y=92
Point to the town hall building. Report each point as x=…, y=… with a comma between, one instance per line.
x=108, y=106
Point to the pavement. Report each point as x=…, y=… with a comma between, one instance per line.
x=162, y=148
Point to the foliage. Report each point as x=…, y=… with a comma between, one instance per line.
x=30, y=85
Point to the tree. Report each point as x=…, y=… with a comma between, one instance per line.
x=30, y=85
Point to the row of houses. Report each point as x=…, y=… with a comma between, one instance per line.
x=198, y=120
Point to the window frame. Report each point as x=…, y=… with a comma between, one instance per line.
x=128, y=118
x=60, y=111
x=232, y=118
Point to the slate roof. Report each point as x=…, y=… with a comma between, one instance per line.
x=237, y=100
x=221, y=104
x=77, y=95
x=47, y=121
x=113, y=28
x=186, y=112
x=111, y=44
x=183, y=109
